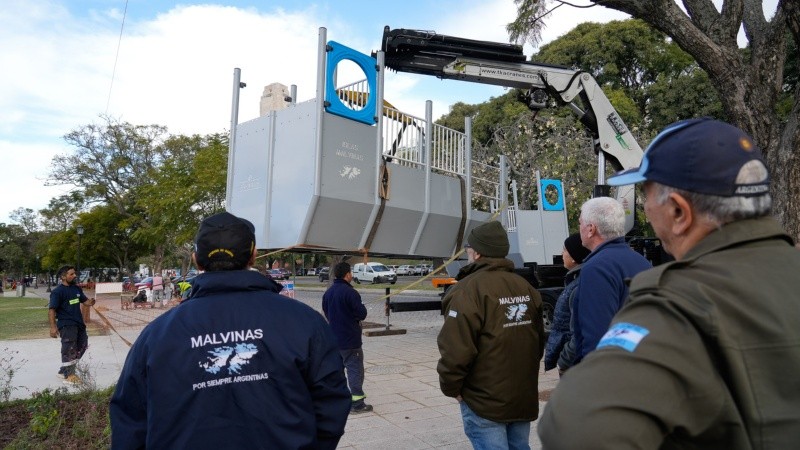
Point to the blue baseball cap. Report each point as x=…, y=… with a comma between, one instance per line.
x=704, y=156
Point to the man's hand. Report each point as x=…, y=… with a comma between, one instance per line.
x=53, y=332
x=91, y=301
x=458, y=397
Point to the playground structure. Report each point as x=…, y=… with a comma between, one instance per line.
x=346, y=172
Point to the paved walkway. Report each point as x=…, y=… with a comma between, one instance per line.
x=401, y=380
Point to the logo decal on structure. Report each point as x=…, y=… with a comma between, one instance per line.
x=350, y=172
x=229, y=358
x=250, y=184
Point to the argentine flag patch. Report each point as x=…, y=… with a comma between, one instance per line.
x=623, y=335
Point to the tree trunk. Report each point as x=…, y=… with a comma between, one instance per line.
x=749, y=84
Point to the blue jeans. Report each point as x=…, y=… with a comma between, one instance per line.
x=485, y=434
x=354, y=365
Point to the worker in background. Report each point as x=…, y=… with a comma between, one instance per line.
x=66, y=321
x=344, y=310
x=491, y=343
x=705, y=352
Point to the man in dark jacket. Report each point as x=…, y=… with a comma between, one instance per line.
x=704, y=354
x=236, y=366
x=561, y=333
x=343, y=309
x=491, y=343
x=605, y=274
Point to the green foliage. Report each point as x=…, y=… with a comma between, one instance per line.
x=45, y=418
x=10, y=363
x=60, y=419
x=637, y=67
x=528, y=25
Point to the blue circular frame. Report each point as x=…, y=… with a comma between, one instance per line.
x=336, y=54
x=546, y=205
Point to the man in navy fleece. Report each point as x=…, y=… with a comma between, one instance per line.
x=237, y=365
x=605, y=274
x=343, y=309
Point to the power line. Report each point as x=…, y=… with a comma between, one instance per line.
x=116, y=57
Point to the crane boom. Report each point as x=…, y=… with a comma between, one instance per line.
x=448, y=57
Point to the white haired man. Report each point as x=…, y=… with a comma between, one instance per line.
x=703, y=354
x=605, y=274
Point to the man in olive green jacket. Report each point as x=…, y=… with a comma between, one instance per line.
x=491, y=343
x=705, y=353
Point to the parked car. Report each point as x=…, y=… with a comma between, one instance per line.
x=422, y=269
x=146, y=283
x=405, y=270
x=311, y=271
x=324, y=274
x=280, y=274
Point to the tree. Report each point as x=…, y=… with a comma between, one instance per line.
x=111, y=160
x=61, y=211
x=188, y=186
x=750, y=84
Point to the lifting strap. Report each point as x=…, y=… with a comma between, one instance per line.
x=383, y=193
x=463, y=224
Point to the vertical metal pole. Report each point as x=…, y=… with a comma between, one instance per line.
x=468, y=169
x=237, y=84
x=388, y=307
x=601, y=168
x=293, y=94
x=322, y=58
x=427, y=165
x=503, y=200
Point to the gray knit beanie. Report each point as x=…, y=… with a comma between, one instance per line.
x=489, y=239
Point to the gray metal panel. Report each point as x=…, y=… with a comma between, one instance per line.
x=249, y=181
x=403, y=210
x=554, y=230
x=439, y=235
x=292, y=173
x=530, y=241
x=338, y=224
x=349, y=160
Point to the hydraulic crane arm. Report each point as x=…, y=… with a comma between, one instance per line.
x=448, y=57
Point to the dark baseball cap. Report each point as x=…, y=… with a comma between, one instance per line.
x=704, y=156
x=224, y=237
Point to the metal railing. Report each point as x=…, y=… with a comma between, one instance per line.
x=404, y=144
x=403, y=138
x=485, y=186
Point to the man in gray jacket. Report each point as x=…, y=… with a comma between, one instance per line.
x=704, y=353
x=491, y=343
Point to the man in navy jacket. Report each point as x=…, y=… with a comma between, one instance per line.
x=605, y=274
x=343, y=309
x=236, y=366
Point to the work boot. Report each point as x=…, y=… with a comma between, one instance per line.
x=73, y=380
x=360, y=408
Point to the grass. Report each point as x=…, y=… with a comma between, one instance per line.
x=26, y=318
